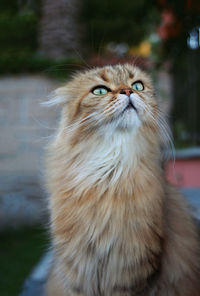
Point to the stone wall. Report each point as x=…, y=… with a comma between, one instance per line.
x=25, y=127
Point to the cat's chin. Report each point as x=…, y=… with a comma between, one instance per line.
x=127, y=120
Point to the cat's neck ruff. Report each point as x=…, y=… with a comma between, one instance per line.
x=114, y=153
x=105, y=159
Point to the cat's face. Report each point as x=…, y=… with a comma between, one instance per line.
x=119, y=96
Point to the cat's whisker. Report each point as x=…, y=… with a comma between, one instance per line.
x=160, y=123
x=100, y=115
x=164, y=131
x=87, y=119
x=115, y=105
x=73, y=126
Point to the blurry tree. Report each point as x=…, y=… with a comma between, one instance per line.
x=18, y=27
x=117, y=21
x=58, y=30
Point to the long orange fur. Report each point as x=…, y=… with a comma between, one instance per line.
x=118, y=228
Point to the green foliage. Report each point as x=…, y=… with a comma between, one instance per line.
x=28, y=62
x=19, y=253
x=118, y=21
x=18, y=28
x=8, y=6
x=18, y=42
x=18, y=33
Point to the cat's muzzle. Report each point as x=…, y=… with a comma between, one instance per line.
x=130, y=106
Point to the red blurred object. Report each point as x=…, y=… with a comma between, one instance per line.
x=170, y=26
x=173, y=16
x=193, y=5
x=184, y=172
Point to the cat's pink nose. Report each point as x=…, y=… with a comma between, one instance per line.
x=126, y=91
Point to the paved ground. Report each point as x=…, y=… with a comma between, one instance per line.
x=34, y=284
x=192, y=196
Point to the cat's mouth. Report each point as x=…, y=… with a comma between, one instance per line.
x=130, y=106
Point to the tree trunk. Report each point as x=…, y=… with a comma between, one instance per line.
x=58, y=30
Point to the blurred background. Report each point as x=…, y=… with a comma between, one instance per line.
x=42, y=42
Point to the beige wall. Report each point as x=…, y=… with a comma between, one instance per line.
x=25, y=127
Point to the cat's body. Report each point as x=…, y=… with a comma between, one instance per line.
x=118, y=228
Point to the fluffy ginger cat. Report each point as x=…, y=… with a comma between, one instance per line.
x=118, y=228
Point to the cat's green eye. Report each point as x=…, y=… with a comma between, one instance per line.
x=138, y=86
x=99, y=91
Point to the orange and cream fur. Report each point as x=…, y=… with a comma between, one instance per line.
x=118, y=228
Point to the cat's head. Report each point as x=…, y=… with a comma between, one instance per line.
x=120, y=97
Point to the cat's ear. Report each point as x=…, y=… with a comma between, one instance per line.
x=57, y=97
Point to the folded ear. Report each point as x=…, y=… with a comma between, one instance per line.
x=57, y=97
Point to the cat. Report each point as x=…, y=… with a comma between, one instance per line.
x=118, y=228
